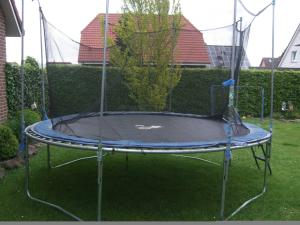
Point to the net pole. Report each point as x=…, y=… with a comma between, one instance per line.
x=231, y=90
x=99, y=181
x=100, y=147
x=172, y=67
x=227, y=152
x=46, y=46
x=42, y=75
x=104, y=60
x=44, y=22
x=22, y=145
x=238, y=77
x=262, y=104
x=273, y=67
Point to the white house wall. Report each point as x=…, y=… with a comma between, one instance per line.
x=294, y=46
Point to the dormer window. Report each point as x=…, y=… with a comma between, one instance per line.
x=293, y=56
x=220, y=61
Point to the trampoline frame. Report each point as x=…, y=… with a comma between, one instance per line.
x=102, y=151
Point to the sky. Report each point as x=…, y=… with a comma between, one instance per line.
x=72, y=16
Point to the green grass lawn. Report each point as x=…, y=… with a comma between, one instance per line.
x=159, y=187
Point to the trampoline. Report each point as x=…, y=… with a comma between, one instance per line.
x=171, y=132
x=147, y=132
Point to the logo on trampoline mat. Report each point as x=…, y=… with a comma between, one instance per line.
x=143, y=127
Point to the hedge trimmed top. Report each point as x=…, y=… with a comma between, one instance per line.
x=75, y=89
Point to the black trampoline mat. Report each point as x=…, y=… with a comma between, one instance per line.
x=154, y=128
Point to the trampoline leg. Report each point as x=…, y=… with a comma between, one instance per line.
x=266, y=162
x=255, y=157
x=100, y=180
x=66, y=163
x=224, y=183
x=26, y=158
x=27, y=185
x=48, y=157
x=267, y=154
x=196, y=158
x=126, y=161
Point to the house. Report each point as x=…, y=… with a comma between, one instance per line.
x=10, y=26
x=266, y=62
x=191, y=48
x=291, y=56
x=220, y=57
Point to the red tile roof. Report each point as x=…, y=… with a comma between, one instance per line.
x=190, y=50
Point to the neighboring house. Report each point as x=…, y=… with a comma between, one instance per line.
x=291, y=55
x=9, y=27
x=220, y=57
x=266, y=62
x=191, y=49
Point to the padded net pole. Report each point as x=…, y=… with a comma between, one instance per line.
x=104, y=60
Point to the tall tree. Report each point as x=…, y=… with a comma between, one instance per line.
x=147, y=34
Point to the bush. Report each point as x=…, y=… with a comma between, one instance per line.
x=32, y=85
x=277, y=116
x=30, y=117
x=8, y=143
x=291, y=115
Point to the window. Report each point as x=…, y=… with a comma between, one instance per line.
x=220, y=61
x=294, y=54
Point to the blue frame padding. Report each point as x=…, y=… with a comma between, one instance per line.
x=44, y=128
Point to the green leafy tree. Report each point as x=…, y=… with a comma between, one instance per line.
x=146, y=38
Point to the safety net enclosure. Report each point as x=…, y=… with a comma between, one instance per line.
x=131, y=84
x=141, y=106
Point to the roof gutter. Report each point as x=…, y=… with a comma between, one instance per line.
x=13, y=21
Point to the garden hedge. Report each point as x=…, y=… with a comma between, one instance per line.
x=76, y=88
x=32, y=87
